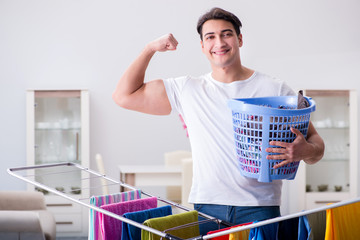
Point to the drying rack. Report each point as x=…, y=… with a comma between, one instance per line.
x=28, y=174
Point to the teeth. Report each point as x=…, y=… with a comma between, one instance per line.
x=220, y=52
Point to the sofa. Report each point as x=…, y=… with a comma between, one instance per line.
x=23, y=215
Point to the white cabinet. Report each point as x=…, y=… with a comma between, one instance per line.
x=333, y=178
x=58, y=131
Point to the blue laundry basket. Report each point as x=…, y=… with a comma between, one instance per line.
x=256, y=122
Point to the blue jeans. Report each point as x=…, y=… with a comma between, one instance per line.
x=234, y=215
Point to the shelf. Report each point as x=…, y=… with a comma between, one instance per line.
x=335, y=160
x=328, y=191
x=326, y=194
x=331, y=128
x=52, y=194
x=58, y=161
x=57, y=129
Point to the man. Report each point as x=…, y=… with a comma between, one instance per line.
x=218, y=188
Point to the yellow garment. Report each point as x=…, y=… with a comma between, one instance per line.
x=242, y=235
x=343, y=222
x=171, y=221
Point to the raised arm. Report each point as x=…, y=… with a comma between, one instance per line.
x=132, y=93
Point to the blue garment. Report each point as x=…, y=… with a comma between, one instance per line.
x=234, y=214
x=304, y=228
x=130, y=232
x=266, y=232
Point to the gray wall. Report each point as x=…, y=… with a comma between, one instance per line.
x=88, y=44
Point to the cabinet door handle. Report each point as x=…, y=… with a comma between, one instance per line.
x=326, y=201
x=59, y=204
x=64, y=223
x=77, y=146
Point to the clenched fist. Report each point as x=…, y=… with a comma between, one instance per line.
x=164, y=43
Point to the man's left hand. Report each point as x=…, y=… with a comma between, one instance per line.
x=288, y=152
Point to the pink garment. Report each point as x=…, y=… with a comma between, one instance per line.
x=94, y=223
x=110, y=227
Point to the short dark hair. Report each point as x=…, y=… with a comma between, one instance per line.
x=220, y=14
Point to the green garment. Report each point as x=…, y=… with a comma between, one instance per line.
x=171, y=221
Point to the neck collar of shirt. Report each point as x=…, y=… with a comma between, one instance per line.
x=232, y=83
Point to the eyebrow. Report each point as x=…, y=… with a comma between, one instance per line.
x=225, y=30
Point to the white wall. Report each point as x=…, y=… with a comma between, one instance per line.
x=88, y=44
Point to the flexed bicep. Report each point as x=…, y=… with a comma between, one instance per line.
x=133, y=93
x=151, y=98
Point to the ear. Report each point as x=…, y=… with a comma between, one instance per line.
x=202, y=46
x=240, y=40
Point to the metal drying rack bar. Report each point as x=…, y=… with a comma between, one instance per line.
x=14, y=172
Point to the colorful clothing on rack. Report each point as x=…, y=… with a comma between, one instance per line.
x=343, y=222
x=130, y=232
x=175, y=222
x=241, y=235
x=111, y=228
x=98, y=201
x=266, y=232
x=304, y=228
x=294, y=228
x=223, y=237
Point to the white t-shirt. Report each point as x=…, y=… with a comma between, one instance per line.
x=202, y=102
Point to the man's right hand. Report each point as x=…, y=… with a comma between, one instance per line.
x=164, y=43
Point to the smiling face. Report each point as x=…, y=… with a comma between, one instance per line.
x=221, y=44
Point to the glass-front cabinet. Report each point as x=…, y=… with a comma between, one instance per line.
x=57, y=127
x=334, y=178
x=57, y=132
